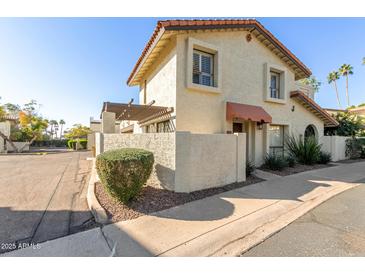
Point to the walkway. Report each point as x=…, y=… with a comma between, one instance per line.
x=222, y=225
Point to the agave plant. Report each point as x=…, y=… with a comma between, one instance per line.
x=305, y=151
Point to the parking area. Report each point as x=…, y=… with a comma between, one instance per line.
x=43, y=197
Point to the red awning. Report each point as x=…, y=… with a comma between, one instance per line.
x=247, y=112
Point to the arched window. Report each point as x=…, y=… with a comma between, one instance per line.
x=310, y=131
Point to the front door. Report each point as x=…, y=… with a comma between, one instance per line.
x=237, y=128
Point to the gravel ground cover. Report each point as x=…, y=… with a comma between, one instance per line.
x=153, y=199
x=296, y=169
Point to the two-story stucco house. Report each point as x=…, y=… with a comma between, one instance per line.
x=226, y=76
x=200, y=81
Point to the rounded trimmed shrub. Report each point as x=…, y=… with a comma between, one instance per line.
x=124, y=171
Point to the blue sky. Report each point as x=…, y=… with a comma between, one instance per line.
x=72, y=65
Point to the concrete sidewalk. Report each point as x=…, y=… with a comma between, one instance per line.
x=222, y=225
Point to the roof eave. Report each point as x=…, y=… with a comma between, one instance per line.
x=327, y=119
x=163, y=26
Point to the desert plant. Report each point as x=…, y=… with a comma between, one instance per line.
x=250, y=168
x=123, y=172
x=275, y=162
x=324, y=157
x=290, y=160
x=304, y=151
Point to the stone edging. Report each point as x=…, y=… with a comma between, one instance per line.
x=96, y=209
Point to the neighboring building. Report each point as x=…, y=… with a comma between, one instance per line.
x=224, y=76
x=360, y=111
x=96, y=125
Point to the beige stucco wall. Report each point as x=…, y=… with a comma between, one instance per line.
x=186, y=162
x=243, y=81
x=209, y=160
x=161, y=80
x=336, y=145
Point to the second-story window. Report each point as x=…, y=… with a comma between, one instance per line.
x=203, y=68
x=275, y=85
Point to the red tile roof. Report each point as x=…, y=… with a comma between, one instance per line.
x=215, y=24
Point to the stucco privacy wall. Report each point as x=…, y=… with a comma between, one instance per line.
x=336, y=145
x=161, y=144
x=186, y=162
x=209, y=160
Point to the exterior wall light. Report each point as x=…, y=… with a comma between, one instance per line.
x=260, y=125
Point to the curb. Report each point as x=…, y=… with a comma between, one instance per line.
x=96, y=209
x=262, y=233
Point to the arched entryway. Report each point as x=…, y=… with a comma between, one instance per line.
x=310, y=131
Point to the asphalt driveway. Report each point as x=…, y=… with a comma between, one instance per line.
x=335, y=228
x=43, y=197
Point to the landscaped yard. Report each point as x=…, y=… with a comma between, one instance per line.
x=153, y=199
x=296, y=169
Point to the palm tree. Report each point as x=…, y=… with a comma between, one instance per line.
x=52, y=123
x=332, y=78
x=363, y=60
x=61, y=122
x=346, y=70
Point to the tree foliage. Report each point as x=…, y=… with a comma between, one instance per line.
x=77, y=131
x=312, y=82
x=349, y=125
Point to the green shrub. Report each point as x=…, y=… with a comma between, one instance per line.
x=324, y=157
x=123, y=172
x=305, y=151
x=362, y=153
x=72, y=143
x=83, y=143
x=355, y=148
x=250, y=168
x=275, y=162
x=50, y=143
x=290, y=160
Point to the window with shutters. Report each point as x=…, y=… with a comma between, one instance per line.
x=204, y=66
x=203, y=71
